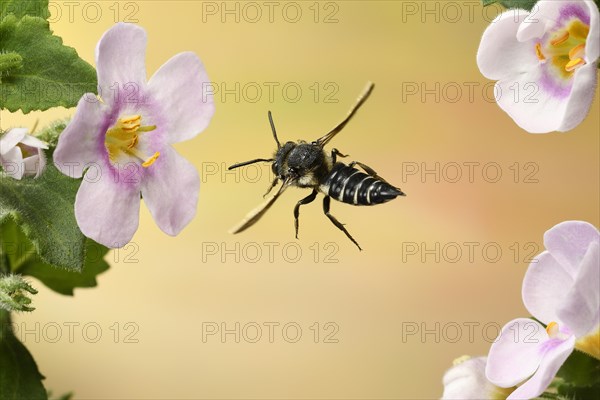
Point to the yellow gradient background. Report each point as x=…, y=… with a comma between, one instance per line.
x=168, y=287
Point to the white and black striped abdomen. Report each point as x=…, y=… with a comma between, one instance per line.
x=351, y=186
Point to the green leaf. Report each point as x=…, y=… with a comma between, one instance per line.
x=13, y=293
x=64, y=282
x=488, y=2
x=20, y=8
x=522, y=4
x=44, y=210
x=580, y=370
x=51, y=133
x=9, y=63
x=51, y=74
x=24, y=260
x=19, y=374
x=580, y=393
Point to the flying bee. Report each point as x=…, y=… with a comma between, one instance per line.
x=308, y=165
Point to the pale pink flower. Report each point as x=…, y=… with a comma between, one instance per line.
x=125, y=139
x=545, y=62
x=560, y=289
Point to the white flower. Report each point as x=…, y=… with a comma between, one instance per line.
x=545, y=63
x=22, y=154
x=561, y=290
x=466, y=380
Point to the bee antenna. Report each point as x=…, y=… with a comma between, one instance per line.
x=274, y=131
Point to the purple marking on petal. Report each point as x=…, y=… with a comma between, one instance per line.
x=108, y=121
x=132, y=173
x=550, y=344
x=565, y=330
x=568, y=11
x=550, y=85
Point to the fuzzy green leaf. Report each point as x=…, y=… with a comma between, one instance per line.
x=63, y=281
x=44, y=210
x=24, y=260
x=579, y=393
x=14, y=293
x=51, y=74
x=509, y=4
x=19, y=374
x=20, y=8
x=488, y=2
x=10, y=62
x=580, y=370
x=51, y=133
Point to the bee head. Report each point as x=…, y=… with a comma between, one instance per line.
x=279, y=166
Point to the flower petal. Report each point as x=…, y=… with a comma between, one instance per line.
x=79, y=143
x=42, y=163
x=544, y=287
x=592, y=45
x=551, y=362
x=581, y=97
x=544, y=16
x=580, y=310
x=568, y=243
x=12, y=163
x=106, y=211
x=466, y=381
x=531, y=28
x=181, y=87
x=500, y=54
x=170, y=190
x=581, y=94
x=32, y=141
x=517, y=353
x=528, y=101
x=11, y=138
x=121, y=60
x=34, y=165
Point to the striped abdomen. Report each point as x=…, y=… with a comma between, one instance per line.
x=349, y=185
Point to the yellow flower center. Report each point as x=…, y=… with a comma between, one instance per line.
x=566, y=49
x=590, y=344
x=123, y=139
x=498, y=393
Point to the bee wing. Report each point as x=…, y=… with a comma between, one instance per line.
x=323, y=140
x=256, y=214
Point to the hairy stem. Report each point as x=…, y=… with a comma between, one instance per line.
x=5, y=323
x=4, y=265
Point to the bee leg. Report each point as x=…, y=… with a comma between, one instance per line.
x=308, y=199
x=335, y=153
x=273, y=184
x=368, y=170
x=338, y=224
